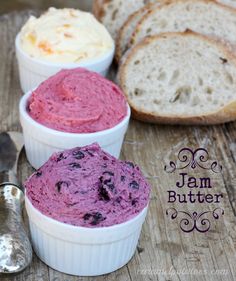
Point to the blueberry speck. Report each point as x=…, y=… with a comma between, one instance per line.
x=75, y=165
x=87, y=216
x=38, y=174
x=118, y=199
x=103, y=194
x=95, y=217
x=134, y=185
x=111, y=186
x=60, y=157
x=108, y=173
x=60, y=184
x=106, y=182
x=71, y=204
x=134, y=201
x=130, y=164
x=90, y=152
x=78, y=154
x=83, y=192
x=122, y=178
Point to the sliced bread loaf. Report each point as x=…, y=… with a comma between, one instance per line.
x=113, y=13
x=180, y=78
x=127, y=29
x=203, y=16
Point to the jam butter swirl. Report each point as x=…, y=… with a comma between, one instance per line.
x=86, y=186
x=77, y=101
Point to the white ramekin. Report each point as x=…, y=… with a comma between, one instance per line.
x=34, y=71
x=41, y=142
x=80, y=250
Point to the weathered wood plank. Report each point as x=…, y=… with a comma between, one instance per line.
x=212, y=251
x=8, y=6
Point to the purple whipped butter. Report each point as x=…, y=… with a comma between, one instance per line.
x=88, y=187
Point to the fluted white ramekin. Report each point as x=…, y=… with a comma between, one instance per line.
x=80, y=250
x=34, y=71
x=41, y=142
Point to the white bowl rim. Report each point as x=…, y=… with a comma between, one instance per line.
x=83, y=228
x=25, y=115
x=86, y=64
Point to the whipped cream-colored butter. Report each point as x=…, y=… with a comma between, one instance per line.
x=65, y=36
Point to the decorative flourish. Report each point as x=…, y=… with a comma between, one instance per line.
x=194, y=221
x=193, y=159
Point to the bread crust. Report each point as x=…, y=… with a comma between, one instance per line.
x=98, y=8
x=226, y=114
x=228, y=5
x=223, y=115
x=124, y=27
x=167, y=3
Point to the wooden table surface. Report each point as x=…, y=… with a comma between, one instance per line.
x=165, y=252
x=12, y=5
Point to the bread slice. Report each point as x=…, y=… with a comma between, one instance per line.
x=203, y=16
x=180, y=78
x=127, y=29
x=113, y=13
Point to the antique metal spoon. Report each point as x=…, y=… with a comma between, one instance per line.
x=15, y=248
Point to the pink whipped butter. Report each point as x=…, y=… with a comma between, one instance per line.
x=77, y=101
x=88, y=187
